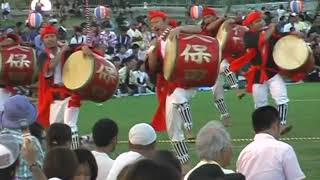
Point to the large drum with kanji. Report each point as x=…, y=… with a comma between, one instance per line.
x=94, y=79
x=192, y=60
x=18, y=66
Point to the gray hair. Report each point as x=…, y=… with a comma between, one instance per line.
x=211, y=140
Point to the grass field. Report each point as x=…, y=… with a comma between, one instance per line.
x=304, y=115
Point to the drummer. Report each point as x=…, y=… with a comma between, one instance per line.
x=210, y=26
x=173, y=113
x=7, y=39
x=56, y=103
x=263, y=77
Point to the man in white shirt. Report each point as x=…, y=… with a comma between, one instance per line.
x=213, y=146
x=281, y=11
x=294, y=24
x=78, y=37
x=127, y=79
x=266, y=157
x=135, y=34
x=104, y=134
x=142, y=143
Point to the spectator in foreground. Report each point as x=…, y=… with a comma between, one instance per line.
x=61, y=163
x=9, y=157
x=167, y=158
x=20, y=112
x=104, y=133
x=58, y=135
x=87, y=168
x=213, y=146
x=147, y=169
x=142, y=143
x=281, y=163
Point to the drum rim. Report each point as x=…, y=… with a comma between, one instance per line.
x=35, y=66
x=276, y=50
x=169, y=64
x=93, y=66
x=1, y=70
x=222, y=36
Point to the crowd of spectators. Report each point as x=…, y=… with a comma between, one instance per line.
x=23, y=157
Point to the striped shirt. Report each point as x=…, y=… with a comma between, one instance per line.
x=23, y=172
x=108, y=38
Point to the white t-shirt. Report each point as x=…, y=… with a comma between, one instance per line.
x=134, y=33
x=104, y=163
x=281, y=12
x=300, y=26
x=267, y=158
x=79, y=40
x=123, y=160
x=5, y=6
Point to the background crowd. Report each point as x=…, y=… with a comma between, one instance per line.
x=39, y=155
x=125, y=36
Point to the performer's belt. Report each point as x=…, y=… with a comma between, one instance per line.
x=59, y=96
x=59, y=93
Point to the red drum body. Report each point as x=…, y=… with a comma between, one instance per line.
x=234, y=43
x=18, y=66
x=293, y=56
x=93, y=79
x=192, y=60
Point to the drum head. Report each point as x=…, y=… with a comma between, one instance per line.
x=170, y=58
x=290, y=52
x=77, y=70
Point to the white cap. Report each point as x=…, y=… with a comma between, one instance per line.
x=142, y=134
x=53, y=21
x=9, y=150
x=293, y=14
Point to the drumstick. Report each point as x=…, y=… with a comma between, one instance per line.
x=229, y=4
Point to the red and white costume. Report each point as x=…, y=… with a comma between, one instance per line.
x=217, y=89
x=173, y=112
x=56, y=103
x=262, y=76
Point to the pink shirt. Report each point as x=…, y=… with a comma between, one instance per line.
x=267, y=158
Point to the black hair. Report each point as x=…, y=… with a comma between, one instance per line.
x=36, y=130
x=264, y=117
x=85, y=156
x=148, y=169
x=135, y=46
x=167, y=158
x=58, y=134
x=8, y=173
x=60, y=162
x=104, y=131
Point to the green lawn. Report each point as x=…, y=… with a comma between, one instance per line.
x=304, y=109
